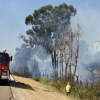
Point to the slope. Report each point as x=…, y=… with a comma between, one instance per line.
x=28, y=89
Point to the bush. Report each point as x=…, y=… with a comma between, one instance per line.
x=90, y=92
x=37, y=79
x=78, y=92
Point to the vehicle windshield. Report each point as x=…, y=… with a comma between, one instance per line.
x=4, y=58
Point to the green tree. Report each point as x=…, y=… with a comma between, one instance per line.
x=50, y=28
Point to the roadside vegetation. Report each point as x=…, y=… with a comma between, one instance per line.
x=79, y=91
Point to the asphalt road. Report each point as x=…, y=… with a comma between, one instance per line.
x=5, y=91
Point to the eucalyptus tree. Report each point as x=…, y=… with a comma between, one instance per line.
x=50, y=28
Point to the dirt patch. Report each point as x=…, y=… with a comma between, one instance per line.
x=28, y=89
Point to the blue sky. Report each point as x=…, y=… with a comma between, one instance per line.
x=14, y=12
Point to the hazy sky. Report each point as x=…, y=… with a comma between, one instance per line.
x=14, y=12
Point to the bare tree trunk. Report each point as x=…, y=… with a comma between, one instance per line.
x=70, y=50
x=62, y=65
x=52, y=59
x=57, y=64
x=66, y=68
x=53, y=65
x=76, y=56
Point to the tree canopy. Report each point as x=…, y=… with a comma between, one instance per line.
x=49, y=25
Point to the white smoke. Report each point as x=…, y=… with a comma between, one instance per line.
x=88, y=64
x=35, y=59
x=39, y=62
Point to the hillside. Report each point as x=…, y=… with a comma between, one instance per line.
x=28, y=89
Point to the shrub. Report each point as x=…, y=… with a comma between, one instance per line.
x=37, y=79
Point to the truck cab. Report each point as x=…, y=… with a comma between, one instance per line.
x=4, y=66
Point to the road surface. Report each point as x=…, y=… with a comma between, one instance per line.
x=5, y=91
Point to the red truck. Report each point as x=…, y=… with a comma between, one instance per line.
x=4, y=66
